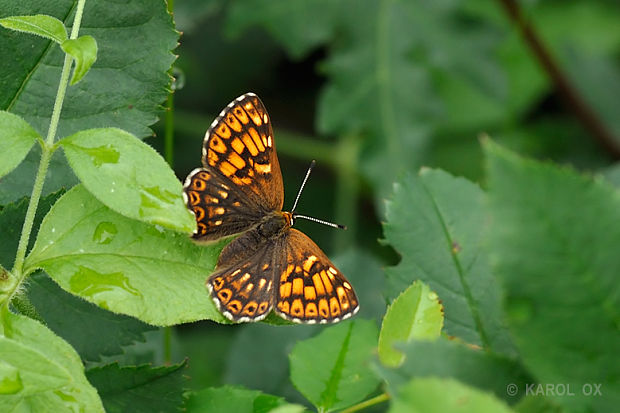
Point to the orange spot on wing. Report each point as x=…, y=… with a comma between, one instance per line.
x=227, y=169
x=297, y=308
x=311, y=310
x=263, y=169
x=233, y=123
x=318, y=284
x=286, y=273
x=249, y=143
x=334, y=306
x=236, y=160
x=240, y=114
x=298, y=286
x=326, y=283
x=234, y=306
x=309, y=261
x=284, y=306
x=217, y=145
x=237, y=145
x=224, y=295
x=256, y=139
x=224, y=131
x=212, y=158
x=285, y=290
x=309, y=293
x=323, y=308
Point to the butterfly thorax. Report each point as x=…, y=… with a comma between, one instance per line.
x=271, y=227
x=274, y=224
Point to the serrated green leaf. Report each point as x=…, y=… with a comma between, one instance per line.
x=12, y=221
x=128, y=176
x=436, y=222
x=444, y=395
x=83, y=324
x=552, y=242
x=139, y=388
x=47, y=371
x=448, y=359
x=40, y=25
x=84, y=52
x=231, y=399
x=16, y=139
x=415, y=314
x=137, y=69
x=331, y=370
x=124, y=265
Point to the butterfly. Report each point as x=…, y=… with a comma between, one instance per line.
x=270, y=266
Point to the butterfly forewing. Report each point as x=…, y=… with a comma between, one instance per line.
x=219, y=207
x=240, y=145
x=310, y=288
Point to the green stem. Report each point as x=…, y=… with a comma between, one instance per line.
x=347, y=191
x=367, y=403
x=48, y=148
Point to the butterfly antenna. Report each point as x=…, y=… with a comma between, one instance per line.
x=320, y=221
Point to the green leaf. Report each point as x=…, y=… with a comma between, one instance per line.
x=83, y=324
x=331, y=370
x=12, y=218
x=436, y=222
x=299, y=26
x=139, y=388
x=415, y=314
x=553, y=243
x=536, y=404
x=448, y=359
x=40, y=24
x=134, y=55
x=41, y=371
x=129, y=177
x=84, y=52
x=444, y=395
x=124, y=265
x=232, y=399
x=16, y=139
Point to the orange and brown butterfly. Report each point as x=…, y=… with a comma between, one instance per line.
x=270, y=265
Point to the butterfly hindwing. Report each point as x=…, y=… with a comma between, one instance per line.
x=310, y=288
x=243, y=283
x=240, y=146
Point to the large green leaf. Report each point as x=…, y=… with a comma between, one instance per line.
x=553, y=241
x=128, y=176
x=432, y=395
x=123, y=265
x=40, y=371
x=232, y=399
x=332, y=369
x=436, y=222
x=83, y=324
x=139, y=388
x=123, y=89
x=16, y=139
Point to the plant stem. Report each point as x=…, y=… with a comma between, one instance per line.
x=565, y=88
x=347, y=191
x=367, y=403
x=46, y=155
